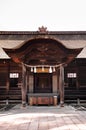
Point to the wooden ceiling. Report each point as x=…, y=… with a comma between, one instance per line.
x=42, y=51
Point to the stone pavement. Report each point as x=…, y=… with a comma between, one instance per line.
x=43, y=118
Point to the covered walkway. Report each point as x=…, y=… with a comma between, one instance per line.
x=43, y=118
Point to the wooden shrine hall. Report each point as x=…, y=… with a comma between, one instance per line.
x=42, y=67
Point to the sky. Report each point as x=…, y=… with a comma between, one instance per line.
x=56, y=15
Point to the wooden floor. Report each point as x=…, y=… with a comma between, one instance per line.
x=43, y=118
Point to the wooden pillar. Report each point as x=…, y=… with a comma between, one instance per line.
x=77, y=78
x=57, y=80
x=31, y=83
x=23, y=88
x=54, y=79
x=61, y=85
x=8, y=72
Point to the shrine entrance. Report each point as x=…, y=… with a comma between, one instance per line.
x=42, y=83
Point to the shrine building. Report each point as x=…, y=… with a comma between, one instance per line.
x=42, y=67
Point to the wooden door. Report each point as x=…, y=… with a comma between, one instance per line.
x=42, y=83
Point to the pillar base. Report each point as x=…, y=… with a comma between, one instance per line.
x=62, y=104
x=23, y=104
x=55, y=100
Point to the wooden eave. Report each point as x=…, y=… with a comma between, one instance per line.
x=36, y=51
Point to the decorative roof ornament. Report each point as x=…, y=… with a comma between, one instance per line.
x=42, y=29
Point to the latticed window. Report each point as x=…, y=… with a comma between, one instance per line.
x=14, y=75
x=71, y=75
